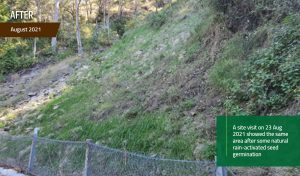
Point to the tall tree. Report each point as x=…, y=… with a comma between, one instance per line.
x=38, y=7
x=121, y=7
x=80, y=50
x=106, y=16
x=136, y=6
x=87, y=11
x=55, y=18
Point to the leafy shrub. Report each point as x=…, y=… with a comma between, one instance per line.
x=292, y=19
x=47, y=52
x=274, y=72
x=156, y=20
x=15, y=55
x=131, y=23
x=4, y=11
x=119, y=26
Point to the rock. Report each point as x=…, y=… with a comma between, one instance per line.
x=85, y=67
x=58, y=125
x=11, y=86
x=164, y=172
x=66, y=74
x=131, y=113
x=55, y=107
x=29, y=129
x=193, y=113
x=138, y=53
x=200, y=150
x=13, y=94
x=21, y=91
x=39, y=117
x=154, y=156
x=32, y=94
x=201, y=108
x=46, y=93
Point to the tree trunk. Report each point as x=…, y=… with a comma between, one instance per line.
x=38, y=6
x=136, y=6
x=55, y=18
x=121, y=4
x=104, y=12
x=108, y=20
x=87, y=11
x=80, y=50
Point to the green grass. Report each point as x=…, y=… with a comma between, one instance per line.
x=226, y=74
x=145, y=133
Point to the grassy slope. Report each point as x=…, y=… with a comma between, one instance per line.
x=111, y=103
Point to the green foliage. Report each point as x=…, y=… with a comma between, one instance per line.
x=292, y=19
x=4, y=11
x=274, y=72
x=226, y=74
x=235, y=48
x=47, y=52
x=15, y=55
x=156, y=20
x=119, y=26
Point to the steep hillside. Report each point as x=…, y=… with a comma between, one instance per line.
x=141, y=94
x=159, y=88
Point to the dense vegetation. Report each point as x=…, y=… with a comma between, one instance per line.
x=262, y=62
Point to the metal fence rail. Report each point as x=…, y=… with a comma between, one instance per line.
x=47, y=157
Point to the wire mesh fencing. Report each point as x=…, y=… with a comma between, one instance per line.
x=15, y=150
x=54, y=157
x=106, y=161
x=69, y=158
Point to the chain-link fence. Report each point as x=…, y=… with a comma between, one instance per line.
x=67, y=158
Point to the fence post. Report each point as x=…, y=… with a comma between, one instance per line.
x=221, y=171
x=32, y=150
x=87, y=170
